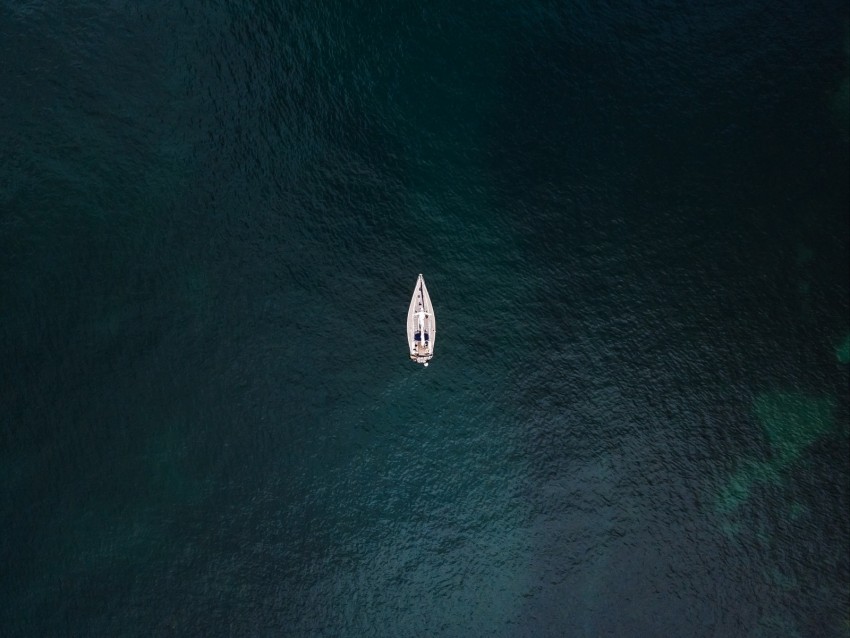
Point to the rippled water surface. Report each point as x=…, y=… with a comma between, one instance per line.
x=633, y=223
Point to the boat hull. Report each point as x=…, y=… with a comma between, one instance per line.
x=421, y=324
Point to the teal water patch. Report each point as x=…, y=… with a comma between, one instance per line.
x=842, y=350
x=792, y=422
x=740, y=485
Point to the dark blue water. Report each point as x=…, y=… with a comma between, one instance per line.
x=633, y=222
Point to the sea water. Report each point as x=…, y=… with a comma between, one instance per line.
x=632, y=219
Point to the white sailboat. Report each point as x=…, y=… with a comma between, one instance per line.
x=421, y=325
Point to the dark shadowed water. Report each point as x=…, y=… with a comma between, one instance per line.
x=633, y=222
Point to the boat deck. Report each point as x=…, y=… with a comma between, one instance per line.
x=420, y=319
